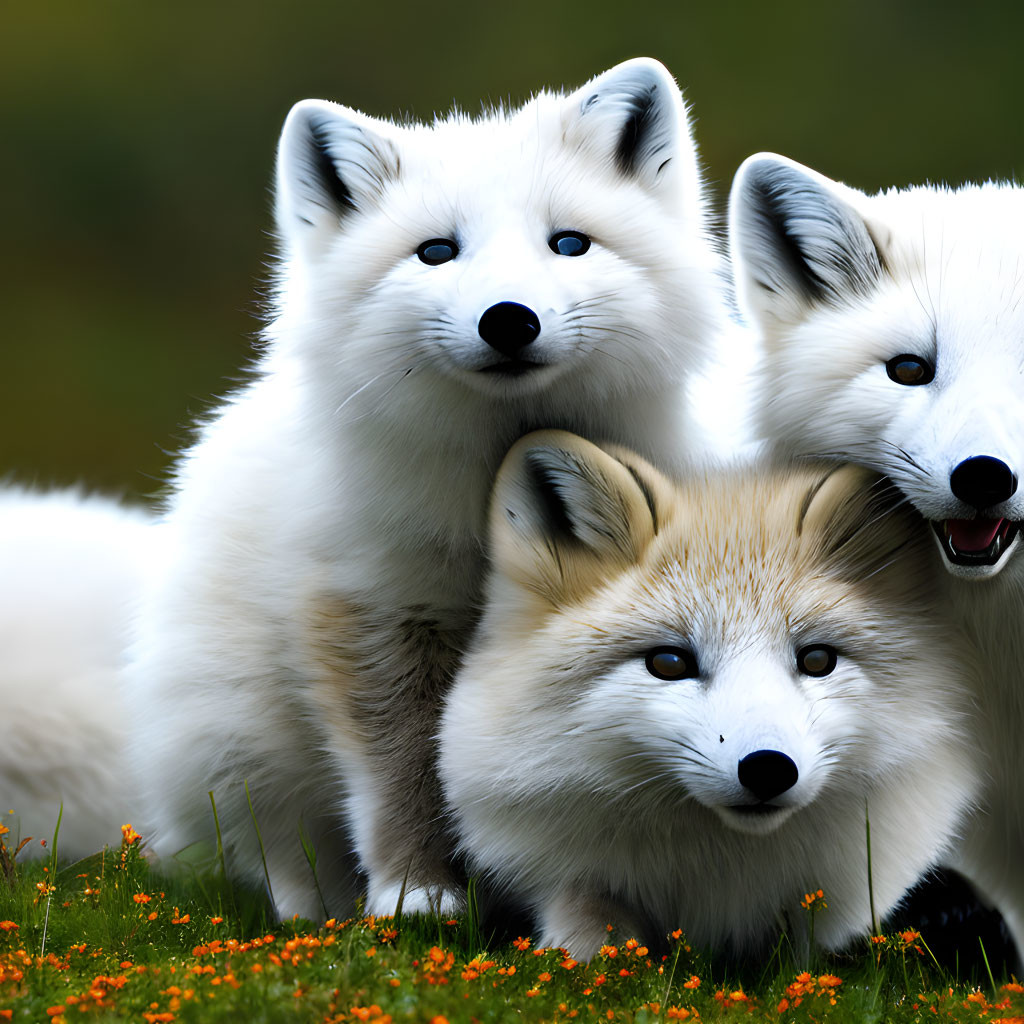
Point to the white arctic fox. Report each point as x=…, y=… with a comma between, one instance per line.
x=444, y=289
x=71, y=571
x=893, y=328
x=683, y=698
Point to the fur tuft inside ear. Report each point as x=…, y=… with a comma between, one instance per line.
x=797, y=240
x=566, y=515
x=331, y=162
x=857, y=520
x=633, y=116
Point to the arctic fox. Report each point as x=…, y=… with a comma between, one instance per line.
x=71, y=571
x=893, y=328
x=444, y=289
x=682, y=700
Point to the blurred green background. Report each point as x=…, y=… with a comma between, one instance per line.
x=137, y=142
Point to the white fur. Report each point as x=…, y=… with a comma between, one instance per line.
x=356, y=465
x=71, y=569
x=598, y=794
x=949, y=284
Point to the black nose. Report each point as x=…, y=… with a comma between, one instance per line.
x=767, y=773
x=509, y=327
x=983, y=481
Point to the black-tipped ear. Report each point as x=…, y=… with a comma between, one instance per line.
x=566, y=514
x=331, y=162
x=796, y=240
x=634, y=117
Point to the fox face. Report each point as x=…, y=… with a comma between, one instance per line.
x=891, y=327
x=661, y=667
x=500, y=253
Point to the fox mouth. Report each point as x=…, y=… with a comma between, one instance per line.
x=975, y=542
x=754, y=819
x=755, y=810
x=511, y=367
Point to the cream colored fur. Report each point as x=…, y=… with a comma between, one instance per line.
x=596, y=793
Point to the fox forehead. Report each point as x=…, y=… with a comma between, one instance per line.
x=514, y=167
x=732, y=561
x=965, y=245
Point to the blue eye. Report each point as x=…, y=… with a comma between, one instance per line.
x=569, y=243
x=436, y=251
x=672, y=663
x=817, y=660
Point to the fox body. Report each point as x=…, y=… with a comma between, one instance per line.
x=892, y=329
x=443, y=289
x=72, y=569
x=683, y=699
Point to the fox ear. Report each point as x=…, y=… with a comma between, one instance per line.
x=633, y=116
x=797, y=240
x=566, y=515
x=857, y=521
x=332, y=162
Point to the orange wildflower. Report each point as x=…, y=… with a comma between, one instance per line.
x=522, y=944
x=7, y=926
x=129, y=835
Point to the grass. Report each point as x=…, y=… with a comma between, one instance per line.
x=109, y=939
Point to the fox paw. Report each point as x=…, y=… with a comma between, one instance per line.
x=435, y=899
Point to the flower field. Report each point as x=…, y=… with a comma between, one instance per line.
x=108, y=939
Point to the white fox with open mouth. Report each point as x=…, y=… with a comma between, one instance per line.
x=893, y=333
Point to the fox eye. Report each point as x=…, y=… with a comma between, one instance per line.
x=817, y=660
x=569, y=243
x=672, y=663
x=910, y=370
x=436, y=251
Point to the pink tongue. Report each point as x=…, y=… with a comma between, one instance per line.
x=973, y=534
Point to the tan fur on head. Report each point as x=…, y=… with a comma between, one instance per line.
x=594, y=788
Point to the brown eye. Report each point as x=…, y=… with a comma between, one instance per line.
x=672, y=663
x=817, y=660
x=910, y=370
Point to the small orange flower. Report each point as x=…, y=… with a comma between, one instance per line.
x=7, y=926
x=216, y=920
x=141, y=897
x=522, y=944
x=129, y=835
x=694, y=982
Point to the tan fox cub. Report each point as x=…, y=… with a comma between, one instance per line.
x=683, y=699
